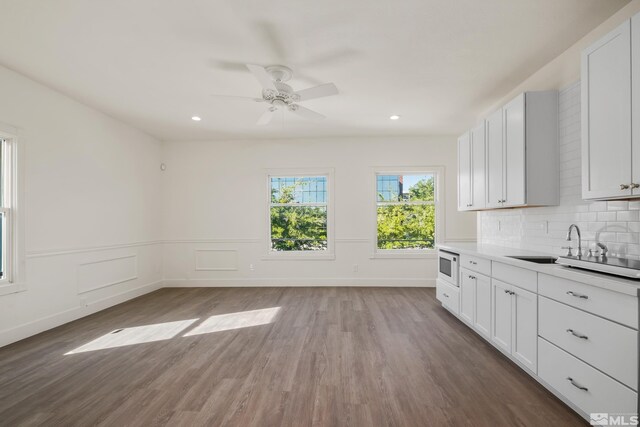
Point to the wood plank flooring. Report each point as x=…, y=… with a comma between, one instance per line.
x=330, y=357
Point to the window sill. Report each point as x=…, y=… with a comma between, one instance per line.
x=11, y=288
x=391, y=254
x=299, y=256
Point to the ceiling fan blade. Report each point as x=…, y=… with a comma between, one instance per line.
x=329, y=58
x=275, y=40
x=326, y=89
x=267, y=116
x=305, y=112
x=248, y=98
x=263, y=77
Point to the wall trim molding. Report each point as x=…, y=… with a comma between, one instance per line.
x=77, y=250
x=299, y=282
x=26, y=330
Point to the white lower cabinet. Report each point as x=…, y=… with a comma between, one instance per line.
x=502, y=312
x=482, y=323
x=515, y=322
x=467, y=296
x=579, y=340
x=475, y=301
x=449, y=296
x=525, y=328
x=584, y=386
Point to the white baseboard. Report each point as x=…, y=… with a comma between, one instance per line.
x=26, y=330
x=298, y=282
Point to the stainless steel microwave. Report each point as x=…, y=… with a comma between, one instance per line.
x=448, y=267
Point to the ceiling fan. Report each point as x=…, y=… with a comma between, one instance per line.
x=280, y=96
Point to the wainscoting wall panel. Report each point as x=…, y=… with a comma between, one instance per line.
x=107, y=272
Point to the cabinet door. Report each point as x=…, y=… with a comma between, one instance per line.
x=606, y=116
x=478, y=166
x=514, y=154
x=501, y=331
x=464, y=172
x=482, y=322
x=494, y=161
x=525, y=328
x=635, y=101
x=467, y=295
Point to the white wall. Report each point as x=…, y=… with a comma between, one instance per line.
x=565, y=68
x=91, y=206
x=615, y=223
x=214, y=196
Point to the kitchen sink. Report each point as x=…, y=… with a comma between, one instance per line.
x=535, y=259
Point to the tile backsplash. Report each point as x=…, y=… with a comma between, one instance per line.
x=615, y=223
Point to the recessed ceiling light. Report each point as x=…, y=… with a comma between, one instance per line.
x=196, y=118
x=394, y=117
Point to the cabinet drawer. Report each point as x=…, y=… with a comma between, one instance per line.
x=448, y=295
x=520, y=277
x=566, y=374
x=608, y=304
x=607, y=346
x=479, y=265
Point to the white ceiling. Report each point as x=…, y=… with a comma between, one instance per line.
x=155, y=63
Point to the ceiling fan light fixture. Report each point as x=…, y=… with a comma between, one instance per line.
x=394, y=117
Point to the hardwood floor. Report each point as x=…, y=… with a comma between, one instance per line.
x=331, y=356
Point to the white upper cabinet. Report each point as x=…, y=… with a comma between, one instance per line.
x=519, y=143
x=495, y=160
x=464, y=172
x=471, y=167
x=478, y=165
x=514, y=158
x=606, y=114
x=635, y=105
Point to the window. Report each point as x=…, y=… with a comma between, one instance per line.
x=6, y=202
x=407, y=218
x=299, y=217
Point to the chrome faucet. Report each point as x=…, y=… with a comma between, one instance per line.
x=604, y=249
x=571, y=227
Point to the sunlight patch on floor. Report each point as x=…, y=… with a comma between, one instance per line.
x=242, y=319
x=136, y=335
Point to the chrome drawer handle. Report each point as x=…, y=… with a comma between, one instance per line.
x=446, y=296
x=634, y=185
x=577, y=295
x=576, y=385
x=506, y=291
x=577, y=334
x=472, y=277
x=624, y=186
x=473, y=262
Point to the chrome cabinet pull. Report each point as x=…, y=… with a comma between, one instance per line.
x=472, y=277
x=577, y=334
x=473, y=263
x=506, y=291
x=624, y=186
x=634, y=185
x=577, y=295
x=445, y=295
x=576, y=385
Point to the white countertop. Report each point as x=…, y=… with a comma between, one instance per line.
x=501, y=253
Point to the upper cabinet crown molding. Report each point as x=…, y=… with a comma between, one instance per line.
x=608, y=67
x=519, y=158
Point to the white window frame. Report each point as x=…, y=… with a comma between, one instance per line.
x=439, y=201
x=13, y=280
x=329, y=253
